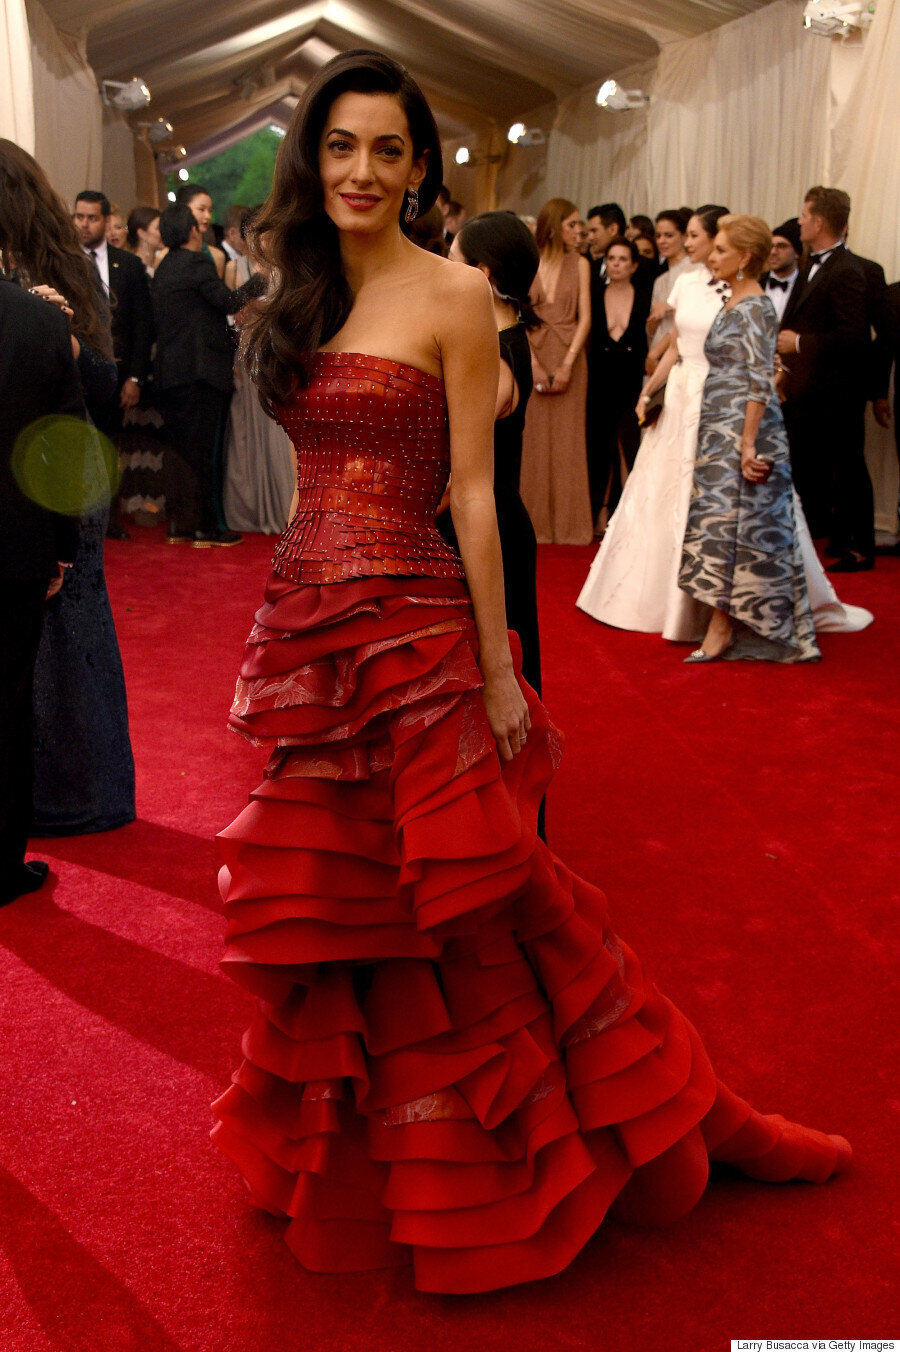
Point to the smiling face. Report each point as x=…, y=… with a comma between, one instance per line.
x=669, y=239
x=697, y=242
x=366, y=162
x=600, y=236
x=201, y=206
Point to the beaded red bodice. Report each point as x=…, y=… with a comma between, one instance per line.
x=373, y=459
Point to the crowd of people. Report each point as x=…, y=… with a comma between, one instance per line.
x=455, y=1061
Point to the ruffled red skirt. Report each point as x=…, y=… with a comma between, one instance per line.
x=455, y=1061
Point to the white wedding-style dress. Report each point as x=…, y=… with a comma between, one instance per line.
x=633, y=581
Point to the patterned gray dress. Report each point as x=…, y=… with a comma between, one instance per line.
x=741, y=550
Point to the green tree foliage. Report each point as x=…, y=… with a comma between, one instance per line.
x=243, y=173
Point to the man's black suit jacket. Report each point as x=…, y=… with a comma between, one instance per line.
x=190, y=303
x=38, y=377
x=829, y=313
x=132, y=314
x=878, y=366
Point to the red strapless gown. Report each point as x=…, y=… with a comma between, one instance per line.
x=455, y=1061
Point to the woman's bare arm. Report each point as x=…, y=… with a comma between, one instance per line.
x=563, y=373
x=470, y=361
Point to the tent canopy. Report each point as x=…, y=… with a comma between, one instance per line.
x=210, y=67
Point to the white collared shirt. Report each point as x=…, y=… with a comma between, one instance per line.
x=777, y=295
x=102, y=259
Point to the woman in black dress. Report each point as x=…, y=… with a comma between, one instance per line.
x=503, y=248
x=617, y=352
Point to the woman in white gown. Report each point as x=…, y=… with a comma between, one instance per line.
x=633, y=581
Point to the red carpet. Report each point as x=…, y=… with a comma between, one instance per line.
x=741, y=819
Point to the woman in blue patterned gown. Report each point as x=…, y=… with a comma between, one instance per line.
x=741, y=550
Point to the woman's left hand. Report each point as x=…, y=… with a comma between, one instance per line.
x=754, y=470
x=48, y=293
x=561, y=377
x=507, y=713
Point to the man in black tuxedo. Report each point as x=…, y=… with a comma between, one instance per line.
x=823, y=342
x=783, y=271
x=125, y=283
x=194, y=370
x=38, y=377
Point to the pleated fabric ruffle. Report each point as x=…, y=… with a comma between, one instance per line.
x=455, y=1061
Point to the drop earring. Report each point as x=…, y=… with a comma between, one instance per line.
x=740, y=274
x=412, y=206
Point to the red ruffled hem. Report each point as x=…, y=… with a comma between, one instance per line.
x=455, y=1062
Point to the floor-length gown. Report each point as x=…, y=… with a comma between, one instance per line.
x=259, y=468
x=554, y=482
x=83, y=762
x=741, y=548
x=633, y=580
x=455, y=1062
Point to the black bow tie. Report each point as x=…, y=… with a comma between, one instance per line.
x=816, y=259
x=776, y=281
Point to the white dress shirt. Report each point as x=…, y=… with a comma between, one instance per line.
x=101, y=257
x=777, y=294
x=823, y=257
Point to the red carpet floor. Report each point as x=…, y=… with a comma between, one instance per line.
x=743, y=820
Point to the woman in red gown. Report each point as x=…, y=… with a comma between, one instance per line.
x=455, y=1061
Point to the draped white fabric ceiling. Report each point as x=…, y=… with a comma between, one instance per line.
x=209, y=66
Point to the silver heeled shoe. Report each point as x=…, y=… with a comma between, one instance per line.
x=698, y=655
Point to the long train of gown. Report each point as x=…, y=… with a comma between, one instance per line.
x=633, y=579
x=455, y=1062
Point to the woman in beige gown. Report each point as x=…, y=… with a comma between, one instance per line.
x=554, y=484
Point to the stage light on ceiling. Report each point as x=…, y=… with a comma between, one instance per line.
x=170, y=196
x=158, y=131
x=836, y=20
x=462, y=155
x=614, y=99
x=129, y=95
x=184, y=175
x=520, y=135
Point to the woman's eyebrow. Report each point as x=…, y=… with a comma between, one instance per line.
x=351, y=135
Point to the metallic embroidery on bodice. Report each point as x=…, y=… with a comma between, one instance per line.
x=373, y=459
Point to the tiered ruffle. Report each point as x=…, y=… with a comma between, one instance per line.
x=455, y=1061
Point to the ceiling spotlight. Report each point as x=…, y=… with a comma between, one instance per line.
x=130, y=95
x=617, y=100
x=827, y=19
x=462, y=155
x=178, y=153
x=520, y=135
x=158, y=131
x=184, y=175
x=170, y=196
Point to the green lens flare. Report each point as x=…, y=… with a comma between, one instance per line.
x=65, y=465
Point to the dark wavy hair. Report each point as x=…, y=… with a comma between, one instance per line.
x=509, y=251
x=297, y=242
x=37, y=235
x=679, y=216
x=623, y=243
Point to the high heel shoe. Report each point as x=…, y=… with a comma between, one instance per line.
x=698, y=655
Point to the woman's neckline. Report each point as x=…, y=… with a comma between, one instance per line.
x=385, y=361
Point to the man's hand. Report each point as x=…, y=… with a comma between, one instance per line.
x=55, y=584
x=787, y=341
x=130, y=394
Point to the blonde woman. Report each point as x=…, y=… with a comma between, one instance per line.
x=554, y=459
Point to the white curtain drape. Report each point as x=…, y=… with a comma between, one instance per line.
x=866, y=145
x=16, y=92
x=68, y=140
x=738, y=115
